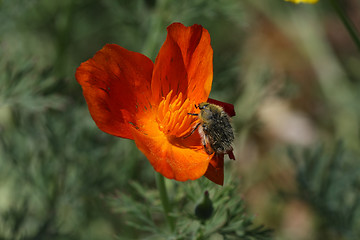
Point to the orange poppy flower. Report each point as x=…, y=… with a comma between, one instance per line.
x=131, y=97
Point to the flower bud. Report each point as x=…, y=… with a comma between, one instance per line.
x=204, y=210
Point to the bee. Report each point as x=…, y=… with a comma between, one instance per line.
x=214, y=128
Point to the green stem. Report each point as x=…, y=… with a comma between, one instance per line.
x=160, y=182
x=347, y=22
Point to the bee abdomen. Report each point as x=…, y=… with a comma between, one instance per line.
x=220, y=135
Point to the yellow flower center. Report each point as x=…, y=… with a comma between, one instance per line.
x=173, y=117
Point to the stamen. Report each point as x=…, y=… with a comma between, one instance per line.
x=173, y=117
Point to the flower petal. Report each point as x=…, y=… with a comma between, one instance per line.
x=184, y=64
x=215, y=171
x=116, y=85
x=172, y=160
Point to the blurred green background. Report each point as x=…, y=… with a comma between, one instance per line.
x=292, y=72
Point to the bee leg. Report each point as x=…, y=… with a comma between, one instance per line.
x=193, y=114
x=207, y=150
x=197, y=125
x=207, y=146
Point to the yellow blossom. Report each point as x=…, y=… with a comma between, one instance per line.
x=303, y=1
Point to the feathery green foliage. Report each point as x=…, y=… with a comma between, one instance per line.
x=290, y=70
x=330, y=183
x=143, y=212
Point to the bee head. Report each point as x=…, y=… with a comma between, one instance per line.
x=202, y=105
